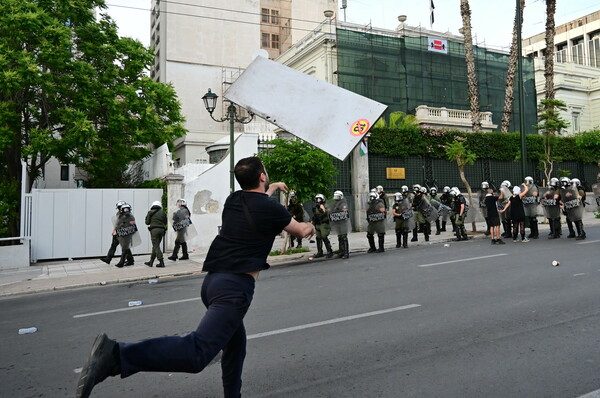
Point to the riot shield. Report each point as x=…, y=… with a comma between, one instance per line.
x=406, y=213
x=572, y=204
x=376, y=218
x=596, y=190
x=530, y=201
x=428, y=210
x=482, y=207
x=339, y=217
x=550, y=205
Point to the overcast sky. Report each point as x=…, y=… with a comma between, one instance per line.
x=491, y=19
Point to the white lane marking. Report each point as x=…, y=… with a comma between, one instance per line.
x=135, y=308
x=579, y=274
x=463, y=259
x=332, y=321
x=593, y=394
x=587, y=241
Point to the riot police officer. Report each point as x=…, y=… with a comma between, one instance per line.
x=376, y=220
x=422, y=212
x=403, y=219
x=482, y=207
x=551, y=206
x=530, y=203
x=446, y=201
x=320, y=220
x=181, y=222
x=297, y=212
x=115, y=239
x=460, y=209
x=572, y=197
x=156, y=220
x=435, y=202
x=125, y=228
x=505, y=217
x=339, y=220
x=416, y=189
x=383, y=196
x=565, y=183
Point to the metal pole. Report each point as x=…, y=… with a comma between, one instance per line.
x=520, y=86
x=231, y=117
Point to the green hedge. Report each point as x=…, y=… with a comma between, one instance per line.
x=430, y=142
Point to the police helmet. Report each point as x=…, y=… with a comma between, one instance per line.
x=379, y=188
x=398, y=196
x=576, y=181
x=433, y=190
x=446, y=189
x=423, y=189
x=528, y=180
x=125, y=208
x=182, y=202
x=156, y=203
x=505, y=184
x=404, y=188
x=373, y=195
x=292, y=194
x=554, y=182
x=320, y=198
x=456, y=191
x=485, y=185
x=338, y=195
x=119, y=204
x=565, y=181
x=416, y=187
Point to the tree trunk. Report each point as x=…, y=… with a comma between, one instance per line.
x=461, y=171
x=510, y=76
x=549, y=52
x=465, y=12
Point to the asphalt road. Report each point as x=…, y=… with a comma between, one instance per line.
x=468, y=320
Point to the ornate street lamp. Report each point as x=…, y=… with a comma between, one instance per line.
x=210, y=103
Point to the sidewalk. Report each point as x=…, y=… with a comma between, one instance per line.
x=59, y=275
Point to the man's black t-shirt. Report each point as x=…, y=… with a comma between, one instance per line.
x=246, y=238
x=491, y=206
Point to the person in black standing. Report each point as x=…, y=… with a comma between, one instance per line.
x=297, y=211
x=181, y=222
x=156, y=220
x=251, y=220
x=493, y=218
x=515, y=202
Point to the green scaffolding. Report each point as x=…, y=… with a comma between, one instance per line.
x=402, y=73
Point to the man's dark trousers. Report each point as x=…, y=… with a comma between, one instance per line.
x=227, y=298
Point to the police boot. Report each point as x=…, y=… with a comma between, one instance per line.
x=580, y=231
x=443, y=226
x=149, y=263
x=341, y=247
x=453, y=224
x=381, y=241
x=414, y=238
x=533, y=225
x=328, y=247
x=292, y=240
x=299, y=244
x=184, y=252
x=161, y=264
x=405, y=240
x=106, y=259
x=506, y=227
x=319, y=248
x=557, y=228
x=426, y=231
x=438, y=230
x=346, y=248
x=571, y=230
x=371, y=239
x=463, y=230
x=129, y=258
x=122, y=260
x=173, y=256
x=551, y=224
x=398, y=238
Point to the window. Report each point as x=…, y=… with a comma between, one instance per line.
x=265, y=15
x=64, y=173
x=275, y=41
x=275, y=17
x=575, y=124
x=266, y=38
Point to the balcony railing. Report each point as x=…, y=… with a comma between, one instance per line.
x=452, y=118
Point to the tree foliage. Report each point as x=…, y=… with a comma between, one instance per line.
x=304, y=168
x=72, y=89
x=550, y=123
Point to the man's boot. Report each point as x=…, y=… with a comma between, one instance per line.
x=328, y=247
x=425, y=229
x=438, y=229
x=341, y=246
x=571, y=230
x=161, y=264
x=129, y=258
x=173, y=257
x=414, y=238
x=580, y=231
x=464, y=232
x=443, y=226
x=398, y=238
x=346, y=248
x=551, y=225
x=292, y=238
x=557, y=228
x=533, y=225
x=184, y=252
x=299, y=244
x=319, y=247
x=122, y=260
x=453, y=221
x=405, y=240
x=149, y=263
x=381, y=242
x=371, y=239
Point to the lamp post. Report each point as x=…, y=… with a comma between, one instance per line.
x=210, y=102
x=521, y=100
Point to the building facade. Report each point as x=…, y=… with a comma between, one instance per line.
x=576, y=70
x=202, y=44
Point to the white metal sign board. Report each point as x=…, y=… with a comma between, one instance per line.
x=326, y=116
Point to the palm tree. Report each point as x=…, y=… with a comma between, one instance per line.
x=510, y=75
x=549, y=52
x=465, y=12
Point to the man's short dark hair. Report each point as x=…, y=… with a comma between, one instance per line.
x=247, y=172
